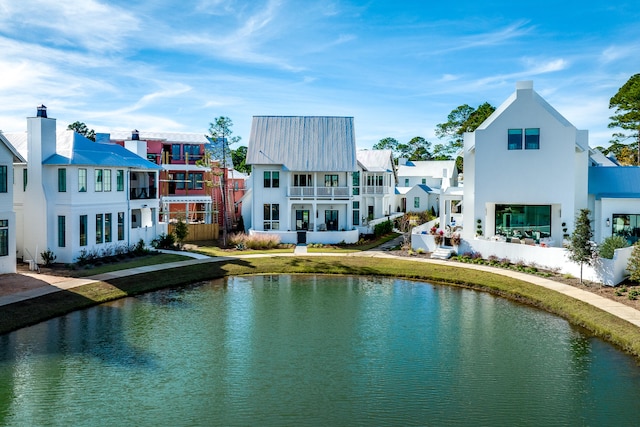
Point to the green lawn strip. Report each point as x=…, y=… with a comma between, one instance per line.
x=355, y=247
x=151, y=259
x=216, y=251
x=600, y=323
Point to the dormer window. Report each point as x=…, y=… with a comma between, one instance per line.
x=531, y=139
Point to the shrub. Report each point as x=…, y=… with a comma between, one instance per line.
x=48, y=257
x=164, y=241
x=610, y=244
x=383, y=228
x=634, y=263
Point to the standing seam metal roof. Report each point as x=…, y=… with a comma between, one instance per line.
x=303, y=143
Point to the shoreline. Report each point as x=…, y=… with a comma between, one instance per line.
x=612, y=321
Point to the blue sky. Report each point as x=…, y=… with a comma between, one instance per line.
x=398, y=67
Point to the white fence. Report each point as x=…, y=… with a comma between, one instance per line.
x=606, y=271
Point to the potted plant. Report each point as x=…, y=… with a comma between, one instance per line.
x=438, y=238
x=456, y=239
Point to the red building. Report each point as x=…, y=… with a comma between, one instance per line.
x=194, y=171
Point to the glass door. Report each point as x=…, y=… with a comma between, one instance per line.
x=331, y=219
x=302, y=220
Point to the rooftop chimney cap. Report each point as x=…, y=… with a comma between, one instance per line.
x=524, y=84
x=42, y=111
x=135, y=135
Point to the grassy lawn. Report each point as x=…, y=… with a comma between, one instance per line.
x=600, y=323
x=132, y=263
x=355, y=247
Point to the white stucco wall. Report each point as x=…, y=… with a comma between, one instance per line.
x=8, y=262
x=555, y=174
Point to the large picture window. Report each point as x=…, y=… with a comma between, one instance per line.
x=271, y=216
x=627, y=226
x=523, y=221
x=302, y=180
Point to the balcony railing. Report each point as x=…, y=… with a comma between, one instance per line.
x=375, y=190
x=139, y=193
x=319, y=192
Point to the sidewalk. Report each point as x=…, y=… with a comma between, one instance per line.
x=35, y=285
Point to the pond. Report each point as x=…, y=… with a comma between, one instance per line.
x=313, y=350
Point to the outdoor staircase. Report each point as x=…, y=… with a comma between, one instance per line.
x=442, y=253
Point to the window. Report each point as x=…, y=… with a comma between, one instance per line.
x=98, y=180
x=523, y=221
x=532, y=139
x=120, y=180
x=62, y=180
x=515, y=139
x=62, y=231
x=406, y=182
x=271, y=179
x=107, y=228
x=356, y=213
x=271, y=216
x=82, y=180
x=4, y=237
x=627, y=226
x=24, y=179
x=3, y=179
x=180, y=180
x=302, y=180
x=120, y=225
x=107, y=180
x=424, y=181
x=83, y=230
x=192, y=152
x=195, y=181
x=416, y=202
x=175, y=152
x=356, y=183
x=331, y=180
x=99, y=228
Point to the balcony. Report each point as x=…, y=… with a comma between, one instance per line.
x=140, y=193
x=324, y=193
x=375, y=190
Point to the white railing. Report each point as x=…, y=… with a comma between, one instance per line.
x=375, y=190
x=321, y=192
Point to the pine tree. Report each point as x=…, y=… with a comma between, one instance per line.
x=634, y=263
x=582, y=250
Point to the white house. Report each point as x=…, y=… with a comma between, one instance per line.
x=303, y=171
x=8, y=156
x=75, y=195
x=373, y=187
x=528, y=172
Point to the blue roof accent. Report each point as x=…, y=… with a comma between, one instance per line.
x=425, y=188
x=617, y=182
x=74, y=149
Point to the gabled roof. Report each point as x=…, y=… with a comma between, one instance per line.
x=422, y=188
x=614, y=182
x=376, y=160
x=183, y=137
x=525, y=88
x=74, y=149
x=303, y=143
x=17, y=157
x=427, y=168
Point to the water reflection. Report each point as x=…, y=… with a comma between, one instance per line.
x=317, y=350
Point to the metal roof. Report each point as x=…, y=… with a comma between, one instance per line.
x=74, y=149
x=427, y=168
x=614, y=182
x=303, y=143
x=17, y=157
x=183, y=137
x=376, y=160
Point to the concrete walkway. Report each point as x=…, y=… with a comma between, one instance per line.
x=617, y=309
